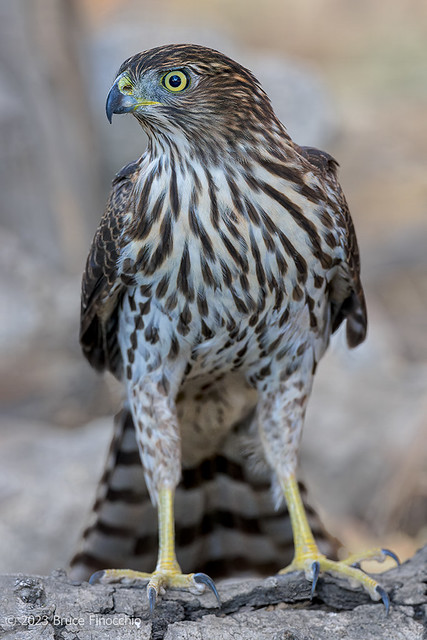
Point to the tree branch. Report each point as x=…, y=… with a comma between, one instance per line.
x=278, y=608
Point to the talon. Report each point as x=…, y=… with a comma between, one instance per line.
x=384, y=598
x=316, y=570
x=391, y=555
x=152, y=598
x=202, y=578
x=358, y=566
x=96, y=577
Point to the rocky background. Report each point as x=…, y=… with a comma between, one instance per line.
x=348, y=77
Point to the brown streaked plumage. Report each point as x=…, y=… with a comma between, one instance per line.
x=223, y=263
x=225, y=519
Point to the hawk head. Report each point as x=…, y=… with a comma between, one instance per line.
x=191, y=88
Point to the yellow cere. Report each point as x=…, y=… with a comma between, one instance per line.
x=125, y=86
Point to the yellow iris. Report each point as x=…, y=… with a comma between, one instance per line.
x=175, y=81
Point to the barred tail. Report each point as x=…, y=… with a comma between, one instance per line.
x=225, y=520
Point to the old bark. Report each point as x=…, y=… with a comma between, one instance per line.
x=278, y=608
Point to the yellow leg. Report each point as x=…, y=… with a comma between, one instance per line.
x=167, y=572
x=167, y=561
x=304, y=543
x=308, y=558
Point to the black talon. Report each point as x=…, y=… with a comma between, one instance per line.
x=392, y=555
x=358, y=566
x=96, y=577
x=202, y=578
x=316, y=570
x=152, y=597
x=384, y=598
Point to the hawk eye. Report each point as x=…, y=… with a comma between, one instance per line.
x=175, y=81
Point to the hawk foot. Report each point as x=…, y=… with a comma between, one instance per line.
x=314, y=563
x=158, y=581
x=308, y=558
x=378, y=554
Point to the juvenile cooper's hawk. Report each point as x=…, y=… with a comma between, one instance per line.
x=224, y=261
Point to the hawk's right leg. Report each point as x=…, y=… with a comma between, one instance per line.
x=157, y=435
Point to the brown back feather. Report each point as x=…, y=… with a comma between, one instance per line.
x=101, y=287
x=352, y=306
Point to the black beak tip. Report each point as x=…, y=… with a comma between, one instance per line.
x=113, y=102
x=109, y=107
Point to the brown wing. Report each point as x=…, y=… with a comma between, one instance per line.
x=101, y=285
x=347, y=297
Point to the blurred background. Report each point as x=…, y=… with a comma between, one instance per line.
x=349, y=77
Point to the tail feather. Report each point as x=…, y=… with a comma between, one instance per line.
x=225, y=518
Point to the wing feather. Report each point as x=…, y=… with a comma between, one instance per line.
x=347, y=297
x=102, y=287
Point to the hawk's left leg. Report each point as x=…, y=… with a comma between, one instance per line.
x=158, y=438
x=280, y=416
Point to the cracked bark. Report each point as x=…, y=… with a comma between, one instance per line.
x=278, y=608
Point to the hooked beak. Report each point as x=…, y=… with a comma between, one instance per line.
x=119, y=102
